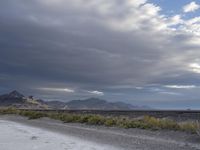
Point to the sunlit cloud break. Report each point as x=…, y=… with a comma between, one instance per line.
x=58, y=89
x=170, y=93
x=180, y=86
x=96, y=93
x=195, y=67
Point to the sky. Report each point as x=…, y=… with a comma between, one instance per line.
x=143, y=52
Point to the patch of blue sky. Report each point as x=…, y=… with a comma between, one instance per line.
x=175, y=7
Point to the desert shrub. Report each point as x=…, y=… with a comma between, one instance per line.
x=169, y=124
x=77, y=118
x=189, y=127
x=84, y=118
x=66, y=118
x=55, y=116
x=10, y=110
x=110, y=122
x=156, y=123
x=32, y=114
x=136, y=124
x=124, y=122
x=96, y=120
x=150, y=122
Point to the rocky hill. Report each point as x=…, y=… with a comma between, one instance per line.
x=18, y=100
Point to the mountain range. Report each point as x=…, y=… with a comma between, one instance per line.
x=18, y=100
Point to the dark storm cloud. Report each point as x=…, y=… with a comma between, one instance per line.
x=54, y=53
x=88, y=47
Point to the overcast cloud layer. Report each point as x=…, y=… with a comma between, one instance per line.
x=128, y=50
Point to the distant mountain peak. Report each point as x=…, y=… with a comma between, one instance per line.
x=18, y=100
x=15, y=94
x=99, y=104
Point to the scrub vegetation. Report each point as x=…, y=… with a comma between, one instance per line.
x=146, y=122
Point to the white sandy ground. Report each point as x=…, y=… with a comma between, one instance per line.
x=15, y=136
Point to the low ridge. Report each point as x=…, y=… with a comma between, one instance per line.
x=16, y=99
